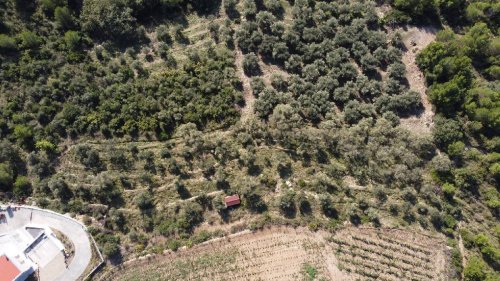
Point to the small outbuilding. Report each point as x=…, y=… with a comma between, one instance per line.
x=232, y=200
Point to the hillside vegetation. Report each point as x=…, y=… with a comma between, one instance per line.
x=140, y=116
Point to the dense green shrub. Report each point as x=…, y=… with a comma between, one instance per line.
x=29, y=40
x=418, y=10
x=475, y=270
x=144, y=201
x=73, y=40
x=89, y=158
x=287, y=203
x=7, y=43
x=446, y=131
x=50, y=5
x=251, y=65
x=64, y=18
x=230, y=8
x=163, y=34
x=249, y=8
x=22, y=187
x=5, y=177
x=109, y=20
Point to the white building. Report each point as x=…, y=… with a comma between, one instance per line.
x=25, y=250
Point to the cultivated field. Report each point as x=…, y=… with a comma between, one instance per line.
x=390, y=254
x=299, y=254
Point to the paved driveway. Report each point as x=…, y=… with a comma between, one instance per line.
x=71, y=228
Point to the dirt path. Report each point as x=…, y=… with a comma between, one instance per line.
x=461, y=248
x=247, y=110
x=421, y=37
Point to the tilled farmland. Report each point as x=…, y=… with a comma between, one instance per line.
x=282, y=253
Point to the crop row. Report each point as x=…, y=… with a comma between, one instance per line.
x=364, y=274
x=387, y=246
x=285, y=261
x=265, y=243
x=420, y=248
x=373, y=271
x=387, y=254
x=267, y=252
x=399, y=267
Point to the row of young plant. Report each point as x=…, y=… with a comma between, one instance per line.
x=394, y=266
x=391, y=247
x=390, y=255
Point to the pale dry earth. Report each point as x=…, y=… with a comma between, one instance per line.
x=415, y=40
x=282, y=253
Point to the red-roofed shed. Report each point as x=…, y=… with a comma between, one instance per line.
x=232, y=200
x=8, y=271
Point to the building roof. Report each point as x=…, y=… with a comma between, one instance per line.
x=8, y=271
x=232, y=200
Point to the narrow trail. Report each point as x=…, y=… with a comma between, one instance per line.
x=461, y=248
x=247, y=110
x=415, y=40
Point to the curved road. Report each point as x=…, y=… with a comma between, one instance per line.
x=74, y=230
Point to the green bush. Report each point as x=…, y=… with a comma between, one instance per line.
x=251, y=65
x=29, y=40
x=7, y=43
x=249, y=8
x=418, y=10
x=63, y=17
x=24, y=135
x=274, y=6
x=163, y=34
x=108, y=20
x=446, y=131
x=45, y=145
x=5, y=177
x=456, y=149
x=475, y=270
x=90, y=158
x=287, y=203
x=111, y=249
x=447, y=96
x=482, y=105
x=22, y=187
x=73, y=40
x=449, y=190
x=144, y=201
x=50, y=5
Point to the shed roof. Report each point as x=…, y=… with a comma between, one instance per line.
x=232, y=200
x=8, y=271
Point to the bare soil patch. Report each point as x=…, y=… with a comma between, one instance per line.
x=283, y=253
x=415, y=40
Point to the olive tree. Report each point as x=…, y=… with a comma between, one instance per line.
x=251, y=65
